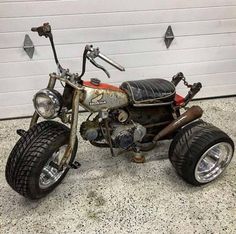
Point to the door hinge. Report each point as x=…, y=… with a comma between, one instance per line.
x=28, y=46
x=169, y=36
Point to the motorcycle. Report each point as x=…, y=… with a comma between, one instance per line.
x=132, y=117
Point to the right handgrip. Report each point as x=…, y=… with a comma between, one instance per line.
x=110, y=61
x=95, y=52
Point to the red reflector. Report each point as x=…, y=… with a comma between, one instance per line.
x=178, y=100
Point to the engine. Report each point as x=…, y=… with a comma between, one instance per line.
x=123, y=134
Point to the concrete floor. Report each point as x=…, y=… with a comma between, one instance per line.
x=112, y=195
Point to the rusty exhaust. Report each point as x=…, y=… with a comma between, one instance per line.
x=190, y=115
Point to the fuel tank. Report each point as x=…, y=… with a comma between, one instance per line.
x=102, y=96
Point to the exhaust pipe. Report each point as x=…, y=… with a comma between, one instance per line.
x=190, y=115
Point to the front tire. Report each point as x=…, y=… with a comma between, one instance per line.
x=28, y=167
x=200, y=152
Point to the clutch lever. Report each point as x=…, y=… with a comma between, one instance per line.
x=90, y=58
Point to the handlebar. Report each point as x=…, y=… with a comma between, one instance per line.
x=89, y=52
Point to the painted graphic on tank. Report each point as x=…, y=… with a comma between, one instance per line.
x=102, y=96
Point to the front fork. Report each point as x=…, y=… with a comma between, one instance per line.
x=73, y=129
x=73, y=122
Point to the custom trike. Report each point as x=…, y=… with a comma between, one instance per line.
x=132, y=117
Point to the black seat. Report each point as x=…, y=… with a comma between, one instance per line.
x=149, y=91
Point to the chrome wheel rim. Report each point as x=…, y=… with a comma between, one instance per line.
x=213, y=162
x=49, y=174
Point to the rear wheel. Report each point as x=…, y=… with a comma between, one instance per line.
x=200, y=152
x=30, y=168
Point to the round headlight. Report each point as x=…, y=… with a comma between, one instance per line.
x=48, y=103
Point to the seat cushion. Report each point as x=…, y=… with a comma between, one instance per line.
x=149, y=91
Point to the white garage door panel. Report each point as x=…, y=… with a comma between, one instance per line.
x=12, y=1
x=126, y=32
x=120, y=47
x=16, y=111
x=21, y=98
x=189, y=69
x=166, y=71
x=128, y=60
x=44, y=8
x=25, y=83
x=119, y=18
x=220, y=90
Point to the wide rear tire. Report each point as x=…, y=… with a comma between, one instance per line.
x=29, y=160
x=200, y=152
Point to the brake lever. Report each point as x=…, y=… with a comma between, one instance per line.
x=97, y=65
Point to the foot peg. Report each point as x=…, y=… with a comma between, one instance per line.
x=75, y=165
x=20, y=132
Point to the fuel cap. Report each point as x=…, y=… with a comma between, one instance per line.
x=95, y=81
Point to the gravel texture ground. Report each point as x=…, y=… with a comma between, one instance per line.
x=113, y=195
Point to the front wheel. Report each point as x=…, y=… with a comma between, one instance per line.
x=30, y=168
x=200, y=152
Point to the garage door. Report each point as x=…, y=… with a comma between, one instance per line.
x=131, y=32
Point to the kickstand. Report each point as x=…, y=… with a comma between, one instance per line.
x=109, y=138
x=138, y=157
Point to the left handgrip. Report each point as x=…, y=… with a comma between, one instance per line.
x=34, y=29
x=44, y=30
